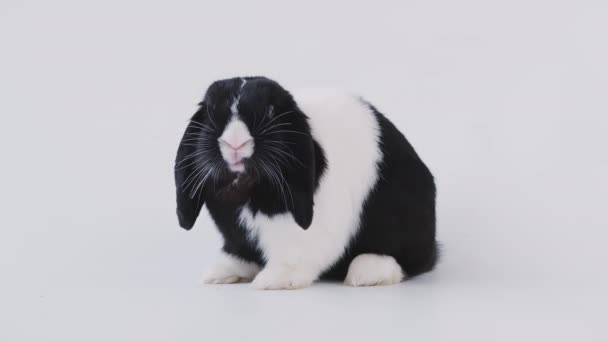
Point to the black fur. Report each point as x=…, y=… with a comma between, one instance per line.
x=398, y=216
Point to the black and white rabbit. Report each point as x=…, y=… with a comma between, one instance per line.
x=305, y=186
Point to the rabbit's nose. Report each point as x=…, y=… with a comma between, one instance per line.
x=235, y=145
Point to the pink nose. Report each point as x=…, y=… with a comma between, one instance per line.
x=235, y=154
x=234, y=146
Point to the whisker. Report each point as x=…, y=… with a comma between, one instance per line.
x=202, y=156
x=286, y=184
x=194, y=174
x=285, y=154
x=191, y=155
x=275, y=151
x=203, y=179
x=280, y=142
x=264, y=117
x=203, y=162
x=207, y=175
x=285, y=131
x=209, y=116
x=274, y=126
x=282, y=181
x=203, y=143
x=276, y=117
x=282, y=159
x=185, y=166
x=216, y=174
x=255, y=120
x=289, y=190
x=272, y=174
x=199, y=185
x=203, y=127
x=200, y=123
x=197, y=134
x=191, y=144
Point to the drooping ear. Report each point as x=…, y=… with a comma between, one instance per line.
x=188, y=204
x=302, y=182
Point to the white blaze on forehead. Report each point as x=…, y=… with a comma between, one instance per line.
x=233, y=108
x=235, y=103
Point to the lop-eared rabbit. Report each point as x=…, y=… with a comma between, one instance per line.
x=305, y=186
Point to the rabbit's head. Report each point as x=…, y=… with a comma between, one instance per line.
x=248, y=138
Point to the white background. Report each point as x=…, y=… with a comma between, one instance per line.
x=506, y=101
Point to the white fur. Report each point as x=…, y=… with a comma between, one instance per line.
x=236, y=144
x=373, y=269
x=348, y=132
x=230, y=269
x=235, y=103
x=283, y=277
x=233, y=107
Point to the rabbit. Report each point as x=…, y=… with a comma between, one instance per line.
x=304, y=186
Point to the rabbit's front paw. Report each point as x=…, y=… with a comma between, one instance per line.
x=282, y=278
x=231, y=269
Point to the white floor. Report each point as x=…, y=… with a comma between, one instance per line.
x=416, y=311
x=505, y=101
x=432, y=308
x=488, y=287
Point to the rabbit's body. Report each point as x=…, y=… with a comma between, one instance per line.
x=374, y=204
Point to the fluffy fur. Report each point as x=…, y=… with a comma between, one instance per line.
x=231, y=269
x=323, y=178
x=373, y=269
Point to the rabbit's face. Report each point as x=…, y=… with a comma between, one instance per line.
x=248, y=142
x=248, y=128
x=254, y=136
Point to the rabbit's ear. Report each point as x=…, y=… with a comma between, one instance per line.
x=302, y=182
x=189, y=203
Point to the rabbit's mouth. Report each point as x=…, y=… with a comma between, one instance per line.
x=236, y=144
x=238, y=167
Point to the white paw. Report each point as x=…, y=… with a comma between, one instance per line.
x=230, y=269
x=282, y=278
x=222, y=279
x=373, y=269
